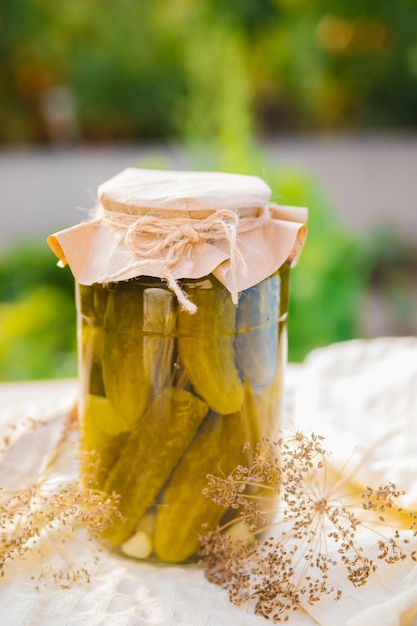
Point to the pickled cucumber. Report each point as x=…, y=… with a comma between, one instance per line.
x=217, y=448
x=256, y=341
x=261, y=411
x=149, y=455
x=125, y=384
x=100, y=414
x=92, y=301
x=159, y=325
x=101, y=448
x=205, y=345
x=85, y=300
x=91, y=348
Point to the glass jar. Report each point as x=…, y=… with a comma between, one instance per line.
x=168, y=397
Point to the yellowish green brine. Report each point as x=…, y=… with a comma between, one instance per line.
x=168, y=397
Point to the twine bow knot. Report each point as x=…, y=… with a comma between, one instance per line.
x=189, y=233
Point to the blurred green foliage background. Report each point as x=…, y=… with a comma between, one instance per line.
x=150, y=68
x=213, y=75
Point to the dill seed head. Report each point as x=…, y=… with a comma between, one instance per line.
x=312, y=524
x=39, y=518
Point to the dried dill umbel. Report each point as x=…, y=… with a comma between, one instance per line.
x=42, y=513
x=298, y=519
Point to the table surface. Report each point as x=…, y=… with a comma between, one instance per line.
x=360, y=395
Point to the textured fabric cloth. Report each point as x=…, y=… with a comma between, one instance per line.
x=360, y=395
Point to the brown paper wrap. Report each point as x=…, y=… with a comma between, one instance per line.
x=97, y=251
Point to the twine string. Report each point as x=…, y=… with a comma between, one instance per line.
x=154, y=239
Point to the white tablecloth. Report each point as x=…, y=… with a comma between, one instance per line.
x=360, y=395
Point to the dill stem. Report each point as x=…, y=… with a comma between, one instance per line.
x=254, y=484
